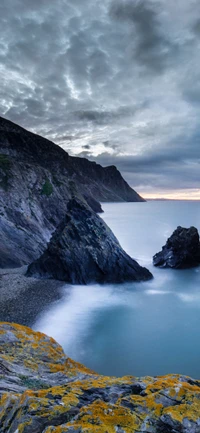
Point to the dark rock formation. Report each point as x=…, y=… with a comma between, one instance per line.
x=35, y=186
x=182, y=250
x=83, y=250
x=43, y=391
x=94, y=204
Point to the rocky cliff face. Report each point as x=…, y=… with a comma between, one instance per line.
x=84, y=250
x=43, y=391
x=36, y=178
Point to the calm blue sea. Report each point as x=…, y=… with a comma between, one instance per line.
x=140, y=329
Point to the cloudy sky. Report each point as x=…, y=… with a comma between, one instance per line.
x=115, y=81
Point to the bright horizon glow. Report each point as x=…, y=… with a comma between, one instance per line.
x=191, y=194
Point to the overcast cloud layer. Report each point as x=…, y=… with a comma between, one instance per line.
x=115, y=81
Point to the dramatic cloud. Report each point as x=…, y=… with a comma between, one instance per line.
x=151, y=47
x=117, y=81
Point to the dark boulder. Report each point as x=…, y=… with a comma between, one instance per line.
x=182, y=250
x=84, y=250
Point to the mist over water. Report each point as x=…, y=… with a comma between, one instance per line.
x=149, y=328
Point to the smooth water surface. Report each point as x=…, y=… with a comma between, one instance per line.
x=150, y=328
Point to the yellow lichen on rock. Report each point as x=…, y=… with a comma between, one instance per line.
x=108, y=416
x=102, y=417
x=43, y=391
x=35, y=349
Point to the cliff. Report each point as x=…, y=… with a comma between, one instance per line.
x=43, y=391
x=36, y=179
x=84, y=250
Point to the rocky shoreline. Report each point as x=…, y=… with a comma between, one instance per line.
x=43, y=391
x=20, y=295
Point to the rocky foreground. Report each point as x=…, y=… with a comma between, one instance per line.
x=181, y=251
x=84, y=250
x=43, y=391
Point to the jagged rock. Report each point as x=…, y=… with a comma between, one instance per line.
x=182, y=250
x=43, y=391
x=83, y=250
x=94, y=204
x=35, y=178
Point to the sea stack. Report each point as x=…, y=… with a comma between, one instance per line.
x=84, y=250
x=182, y=250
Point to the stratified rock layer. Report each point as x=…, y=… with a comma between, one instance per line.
x=83, y=250
x=182, y=250
x=43, y=391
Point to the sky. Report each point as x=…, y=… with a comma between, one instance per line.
x=116, y=81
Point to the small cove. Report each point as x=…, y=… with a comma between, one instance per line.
x=149, y=328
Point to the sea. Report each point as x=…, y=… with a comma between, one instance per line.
x=149, y=328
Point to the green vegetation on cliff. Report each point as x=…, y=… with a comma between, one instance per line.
x=47, y=188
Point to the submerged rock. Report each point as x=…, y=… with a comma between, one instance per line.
x=83, y=250
x=182, y=250
x=43, y=391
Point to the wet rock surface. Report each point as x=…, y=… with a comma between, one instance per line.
x=43, y=391
x=83, y=250
x=182, y=250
